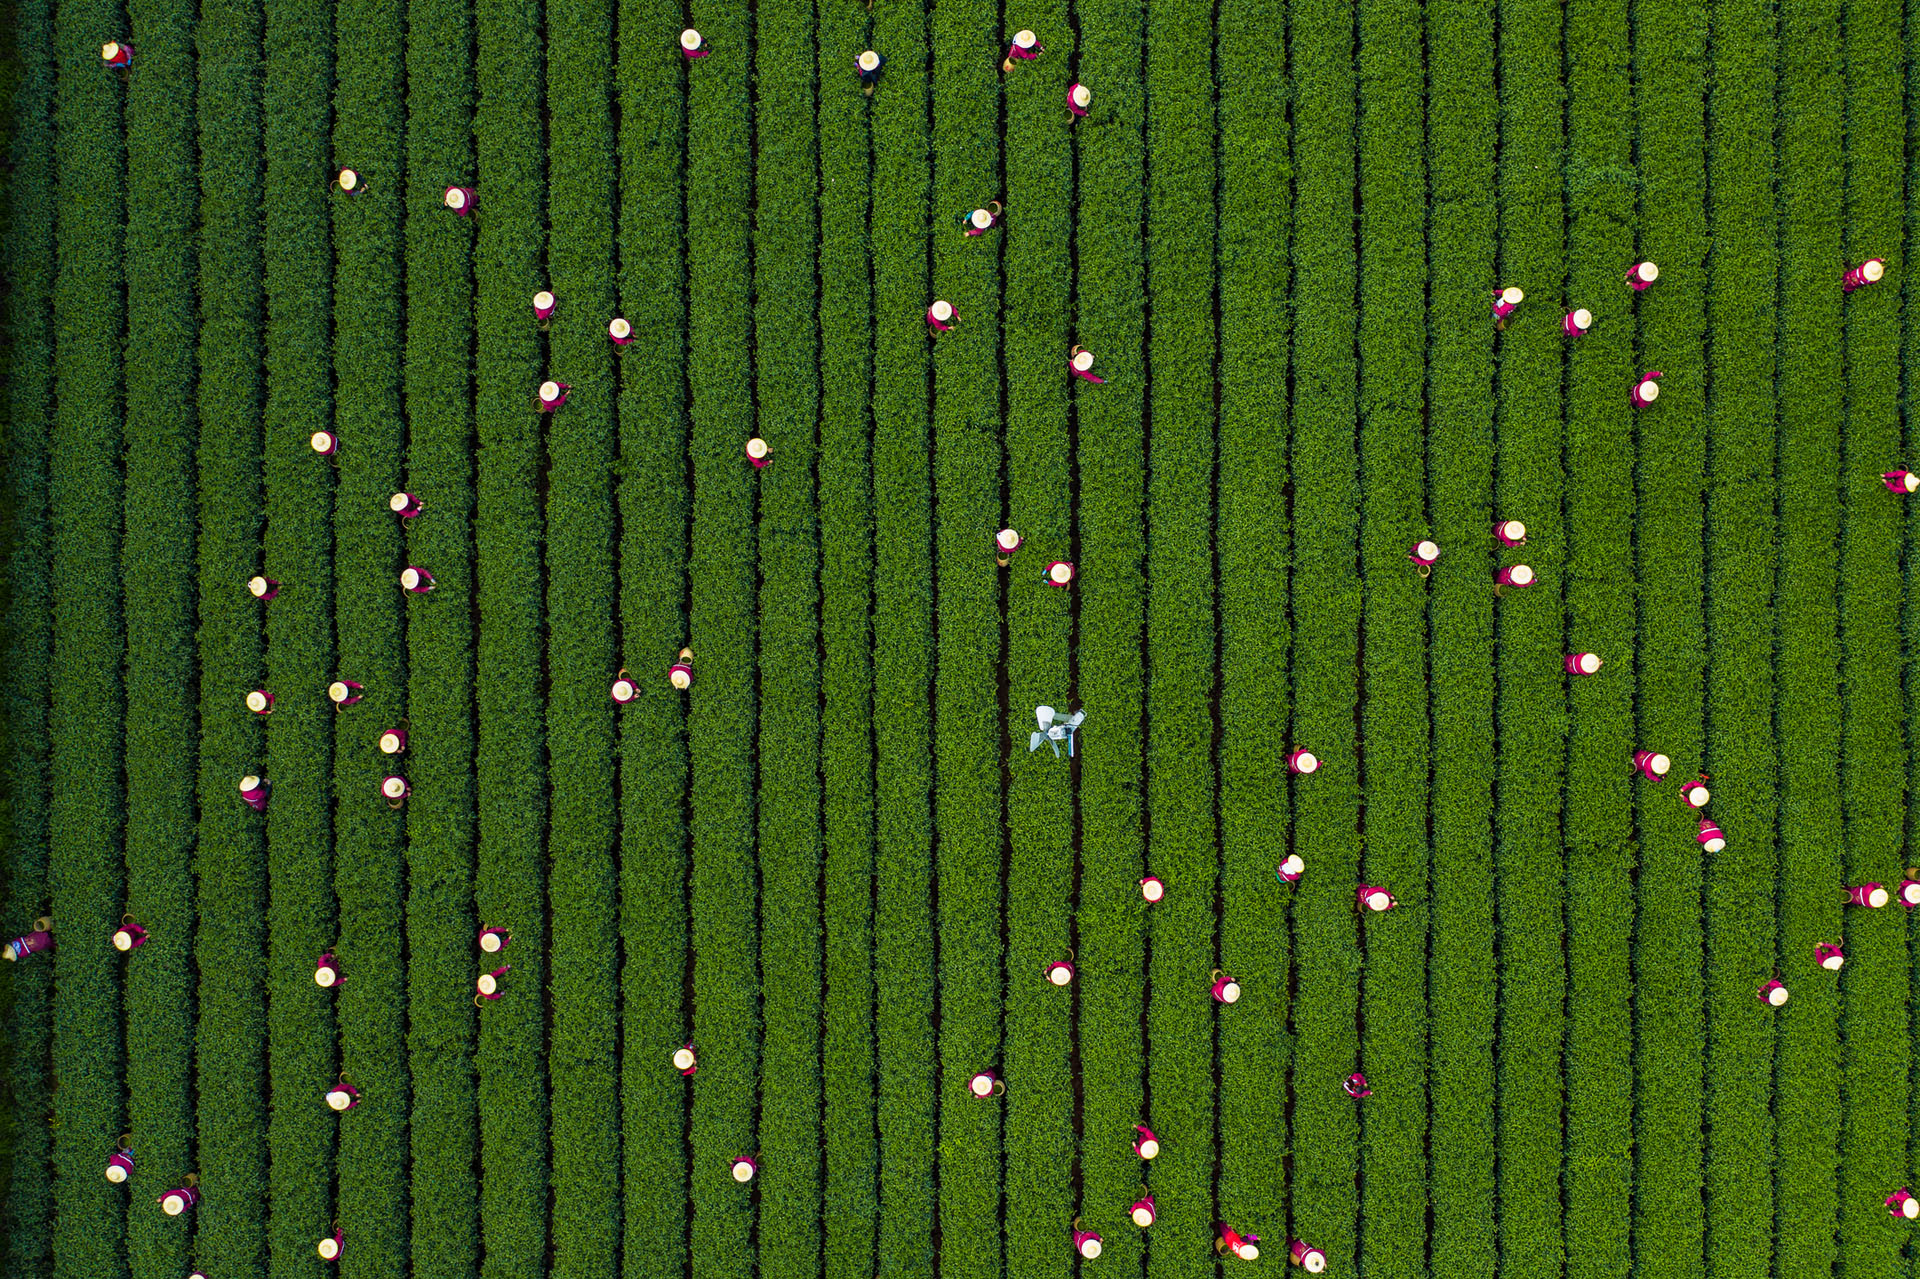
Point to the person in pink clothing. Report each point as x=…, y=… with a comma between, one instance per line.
x=394, y=790
x=1060, y=971
x=693, y=45
x=1583, y=663
x=1695, y=793
x=343, y=1096
x=1510, y=533
x=680, y=674
x=262, y=588
x=1872, y=896
x=624, y=689
x=405, y=505
x=985, y=1084
x=1080, y=363
x=1647, y=389
x=1641, y=276
x=1307, y=1257
x=543, y=307
x=1868, y=272
x=253, y=789
x=1829, y=956
x=393, y=741
x=1773, y=994
x=1711, y=837
x=685, y=1059
x=1059, y=573
x=1078, y=96
x=1085, y=1242
x=1225, y=990
x=1901, y=1205
x=1245, y=1247
x=1142, y=1211
x=1356, y=1086
x=760, y=453
x=1372, y=897
x=1507, y=301
x=1425, y=554
x=37, y=942
x=332, y=1246
x=1025, y=48
x=325, y=443
x=1518, y=576
x=129, y=936
x=260, y=702
x=1651, y=765
x=1290, y=869
x=1910, y=892
x=1005, y=543
x=120, y=1162
x=326, y=972
x=487, y=985
x=981, y=221
x=181, y=1198
x=1146, y=1145
x=744, y=1167
x=941, y=316
x=619, y=331
x=1152, y=889
x=460, y=200
x=1901, y=481
x=118, y=55
x=344, y=692
x=1577, y=323
x=349, y=182
x=493, y=940
x=553, y=395
x=1303, y=761
x=415, y=580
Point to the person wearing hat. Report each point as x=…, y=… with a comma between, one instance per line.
x=693, y=45
x=1829, y=956
x=1303, y=761
x=985, y=1084
x=1651, y=765
x=1356, y=1086
x=343, y=1096
x=1641, y=276
x=1085, y=1242
x=543, y=307
x=39, y=941
x=1868, y=272
x=680, y=674
x=1507, y=301
x=1060, y=971
x=1225, y=990
x=118, y=55
x=1518, y=576
x=332, y=1246
x=325, y=443
x=1080, y=363
x=1910, y=891
x=1026, y=47
x=181, y=1198
x=868, y=64
x=405, y=505
x=1307, y=1257
x=981, y=221
x=553, y=395
x=120, y=1162
x=129, y=936
x=619, y=331
x=393, y=741
x=1695, y=793
x=253, y=789
x=326, y=973
x=416, y=580
x=1005, y=543
x=1647, y=390
x=262, y=588
x=1583, y=663
x=394, y=790
x=1290, y=869
x=1773, y=994
x=344, y=692
x=685, y=1059
x=1872, y=896
x=1901, y=1205
x=1711, y=837
x=744, y=1166
x=1901, y=481
x=1234, y=1244
x=349, y=182
x=487, y=985
x=260, y=702
x=1374, y=898
x=941, y=316
x=1059, y=573
x=460, y=199
x=1146, y=1145
x=1078, y=96
x=1152, y=889
x=1510, y=533
x=1425, y=554
x=1578, y=321
x=760, y=453
x=493, y=940
x=623, y=690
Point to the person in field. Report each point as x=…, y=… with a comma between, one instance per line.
x=37, y=942
x=1641, y=276
x=1025, y=48
x=1078, y=96
x=868, y=64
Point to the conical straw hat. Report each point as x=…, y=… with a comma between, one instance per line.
x=1512, y=296
x=869, y=60
x=689, y=39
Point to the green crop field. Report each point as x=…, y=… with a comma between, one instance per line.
x=832, y=865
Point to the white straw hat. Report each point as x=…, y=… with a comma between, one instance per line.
x=109, y=51
x=1149, y=1148
x=173, y=1203
x=1090, y=1248
x=1649, y=390
x=1143, y=1216
x=543, y=300
x=1230, y=992
x=390, y=743
x=409, y=577
x=456, y=198
x=683, y=1059
x=1582, y=318
x=1520, y=575
x=258, y=586
x=1589, y=663
x=339, y=691
x=393, y=788
x=487, y=983
x=339, y=1098
x=1306, y=762
x=620, y=328
x=399, y=502
x=1378, y=900
x=1061, y=573
x=1428, y=550
x=689, y=39
x=1081, y=96
x=1006, y=539
x=329, y=1248
x=1512, y=296
x=942, y=310
x=349, y=179
x=869, y=60
x=249, y=782
x=1513, y=530
x=1647, y=272
x=549, y=390
x=324, y=975
x=1873, y=269
x=1249, y=1252
x=981, y=218
x=756, y=447
x=1023, y=38
x=116, y=1173
x=1777, y=996
x=322, y=441
x=1083, y=360
x=1059, y=974
x=256, y=701
x=742, y=1170
x=980, y=1085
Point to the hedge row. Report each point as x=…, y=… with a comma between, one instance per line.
x=1874, y=1017
x=1599, y=597
x=1741, y=878
x=1463, y=112
x=1394, y=715
x=1326, y=615
x=846, y=597
x=509, y=860
x=230, y=941
x=580, y=651
x=1807, y=706
x=29, y=244
x=86, y=710
x=1039, y=869
x=1670, y=81
x=1109, y=674
x=368, y=853
x=969, y=729
x=436, y=390
x=157, y=566
x=652, y=515
x=909, y=1088
x=786, y=368
x=722, y=702
x=1252, y=545
x=1532, y=714
x=301, y=657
